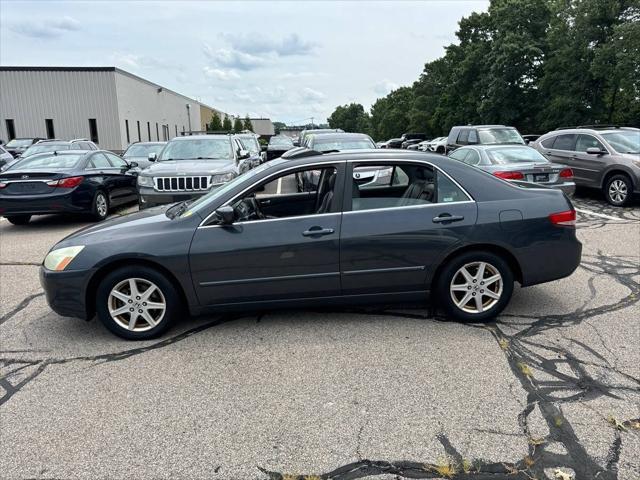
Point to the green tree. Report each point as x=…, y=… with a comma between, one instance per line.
x=238, y=125
x=350, y=118
x=247, y=123
x=278, y=126
x=227, y=126
x=215, y=125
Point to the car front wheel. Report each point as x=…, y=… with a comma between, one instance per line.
x=618, y=190
x=475, y=286
x=137, y=302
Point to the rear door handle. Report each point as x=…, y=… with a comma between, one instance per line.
x=445, y=218
x=317, y=232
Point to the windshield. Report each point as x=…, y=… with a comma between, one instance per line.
x=623, y=141
x=49, y=162
x=500, y=135
x=19, y=142
x=44, y=148
x=515, y=155
x=325, y=146
x=142, y=150
x=194, y=149
x=284, y=141
x=205, y=200
x=250, y=143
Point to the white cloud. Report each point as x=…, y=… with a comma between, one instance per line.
x=229, y=58
x=257, y=43
x=384, y=87
x=310, y=95
x=50, y=28
x=221, y=74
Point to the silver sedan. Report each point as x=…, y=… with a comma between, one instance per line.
x=518, y=163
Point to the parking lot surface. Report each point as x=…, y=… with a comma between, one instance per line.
x=552, y=387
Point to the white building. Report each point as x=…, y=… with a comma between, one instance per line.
x=105, y=104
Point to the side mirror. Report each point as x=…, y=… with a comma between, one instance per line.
x=595, y=151
x=153, y=157
x=242, y=154
x=226, y=215
x=133, y=164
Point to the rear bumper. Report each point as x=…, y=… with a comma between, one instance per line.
x=552, y=259
x=66, y=291
x=41, y=204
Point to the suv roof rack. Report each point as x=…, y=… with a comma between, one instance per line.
x=79, y=140
x=593, y=127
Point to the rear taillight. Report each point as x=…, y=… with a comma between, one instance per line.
x=566, y=173
x=567, y=219
x=69, y=182
x=509, y=175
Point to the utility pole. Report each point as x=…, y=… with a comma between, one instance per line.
x=312, y=125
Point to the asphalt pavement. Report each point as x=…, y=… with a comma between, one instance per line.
x=552, y=387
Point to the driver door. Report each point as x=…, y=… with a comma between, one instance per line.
x=287, y=253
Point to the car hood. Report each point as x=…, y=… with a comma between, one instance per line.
x=189, y=167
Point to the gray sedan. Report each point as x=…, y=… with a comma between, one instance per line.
x=517, y=162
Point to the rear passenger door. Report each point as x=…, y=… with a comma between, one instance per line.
x=588, y=167
x=561, y=150
x=390, y=240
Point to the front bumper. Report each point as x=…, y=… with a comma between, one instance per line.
x=148, y=197
x=66, y=291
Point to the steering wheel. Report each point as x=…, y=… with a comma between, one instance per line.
x=255, y=206
x=248, y=209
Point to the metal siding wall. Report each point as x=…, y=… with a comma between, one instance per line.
x=70, y=98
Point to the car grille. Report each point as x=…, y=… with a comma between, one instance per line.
x=182, y=184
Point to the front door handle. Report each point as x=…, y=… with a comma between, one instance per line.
x=445, y=218
x=317, y=232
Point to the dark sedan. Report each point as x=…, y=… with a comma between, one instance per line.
x=72, y=181
x=139, y=152
x=17, y=146
x=437, y=225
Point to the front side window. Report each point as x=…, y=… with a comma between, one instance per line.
x=424, y=185
x=250, y=144
x=284, y=196
x=588, y=141
x=624, y=141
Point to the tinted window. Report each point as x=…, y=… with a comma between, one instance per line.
x=98, y=160
x=587, y=141
x=473, y=137
x=448, y=191
x=565, y=142
x=463, y=137
x=48, y=161
x=548, y=143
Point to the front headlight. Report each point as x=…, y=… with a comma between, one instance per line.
x=59, y=259
x=145, y=181
x=222, y=177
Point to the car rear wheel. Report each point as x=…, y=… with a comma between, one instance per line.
x=475, y=286
x=19, y=219
x=100, y=208
x=618, y=190
x=137, y=302
x=440, y=150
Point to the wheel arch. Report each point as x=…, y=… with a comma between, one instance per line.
x=617, y=170
x=509, y=257
x=104, y=270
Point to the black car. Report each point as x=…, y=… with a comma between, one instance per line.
x=278, y=144
x=482, y=135
x=72, y=181
x=438, y=225
x=413, y=141
x=394, y=143
x=139, y=152
x=17, y=146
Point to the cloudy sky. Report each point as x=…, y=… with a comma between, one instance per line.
x=288, y=61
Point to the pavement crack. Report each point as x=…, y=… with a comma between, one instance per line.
x=23, y=304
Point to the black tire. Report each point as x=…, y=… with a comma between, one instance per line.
x=618, y=190
x=440, y=150
x=451, y=269
x=142, y=274
x=98, y=211
x=19, y=219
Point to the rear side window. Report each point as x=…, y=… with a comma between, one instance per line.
x=115, y=160
x=565, y=142
x=98, y=161
x=460, y=154
x=472, y=158
x=548, y=143
x=587, y=141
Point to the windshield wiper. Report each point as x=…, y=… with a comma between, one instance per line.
x=179, y=209
x=207, y=158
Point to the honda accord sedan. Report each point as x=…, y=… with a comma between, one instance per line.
x=437, y=226
x=71, y=181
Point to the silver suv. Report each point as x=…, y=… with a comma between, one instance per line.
x=603, y=157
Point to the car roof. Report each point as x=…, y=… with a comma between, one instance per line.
x=495, y=146
x=368, y=154
x=339, y=135
x=199, y=137
x=148, y=143
x=593, y=130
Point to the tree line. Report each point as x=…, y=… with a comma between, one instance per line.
x=238, y=125
x=533, y=64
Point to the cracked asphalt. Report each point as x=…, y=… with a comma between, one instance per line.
x=551, y=387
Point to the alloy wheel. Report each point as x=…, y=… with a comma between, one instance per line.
x=137, y=304
x=618, y=191
x=101, y=205
x=476, y=287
